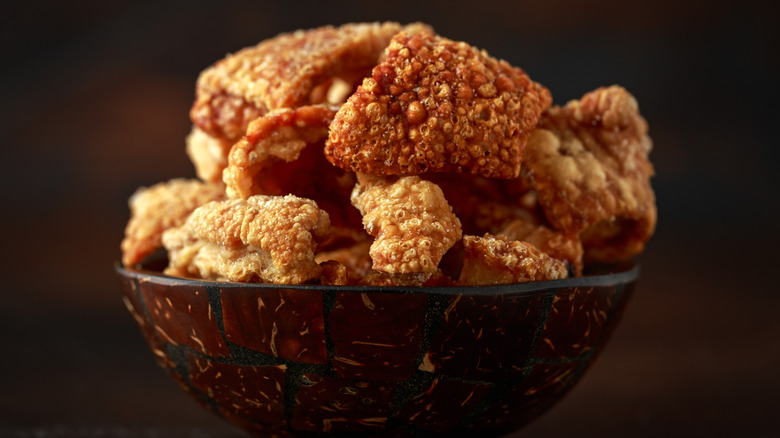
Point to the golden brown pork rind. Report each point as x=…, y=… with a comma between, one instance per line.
x=555, y=244
x=281, y=154
x=280, y=135
x=269, y=239
x=412, y=223
x=160, y=207
x=496, y=260
x=486, y=205
x=209, y=155
x=436, y=105
x=334, y=274
x=589, y=164
x=288, y=71
x=355, y=257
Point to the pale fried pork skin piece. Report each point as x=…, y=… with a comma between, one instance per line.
x=589, y=164
x=269, y=239
x=411, y=222
x=555, y=244
x=279, y=136
x=281, y=154
x=436, y=105
x=209, y=155
x=497, y=260
x=160, y=207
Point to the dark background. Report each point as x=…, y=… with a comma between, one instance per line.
x=94, y=100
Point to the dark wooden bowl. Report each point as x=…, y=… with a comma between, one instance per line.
x=282, y=360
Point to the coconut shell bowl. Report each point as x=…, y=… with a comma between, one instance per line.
x=308, y=360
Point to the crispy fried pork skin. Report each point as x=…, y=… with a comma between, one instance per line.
x=160, y=207
x=279, y=136
x=497, y=260
x=411, y=222
x=436, y=105
x=555, y=244
x=209, y=155
x=269, y=239
x=287, y=71
x=589, y=164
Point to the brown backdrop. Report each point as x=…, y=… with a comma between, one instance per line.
x=94, y=100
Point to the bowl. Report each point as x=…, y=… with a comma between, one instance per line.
x=303, y=360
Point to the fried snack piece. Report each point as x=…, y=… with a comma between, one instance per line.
x=508, y=208
x=280, y=135
x=486, y=205
x=311, y=176
x=354, y=257
x=492, y=217
x=436, y=105
x=412, y=223
x=589, y=165
x=282, y=154
x=208, y=154
x=496, y=260
x=160, y=207
x=617, y=240
x=553, y=243
x=334, y=274
x=261, y=239
x=287, y=71
x=377, y=278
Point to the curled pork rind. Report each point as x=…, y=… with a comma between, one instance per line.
x=497, y=260
x=283, y=72
x=280, y=135
x=589, y=164
x=412, y=223
x=281, y=154
x=269, y=239
x=160, y=207
x=435, y=105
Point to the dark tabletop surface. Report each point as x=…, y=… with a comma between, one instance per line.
x=94, y=102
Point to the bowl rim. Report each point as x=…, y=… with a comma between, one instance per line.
x=622, y=274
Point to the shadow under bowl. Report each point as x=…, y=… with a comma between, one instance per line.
x=287, y=360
